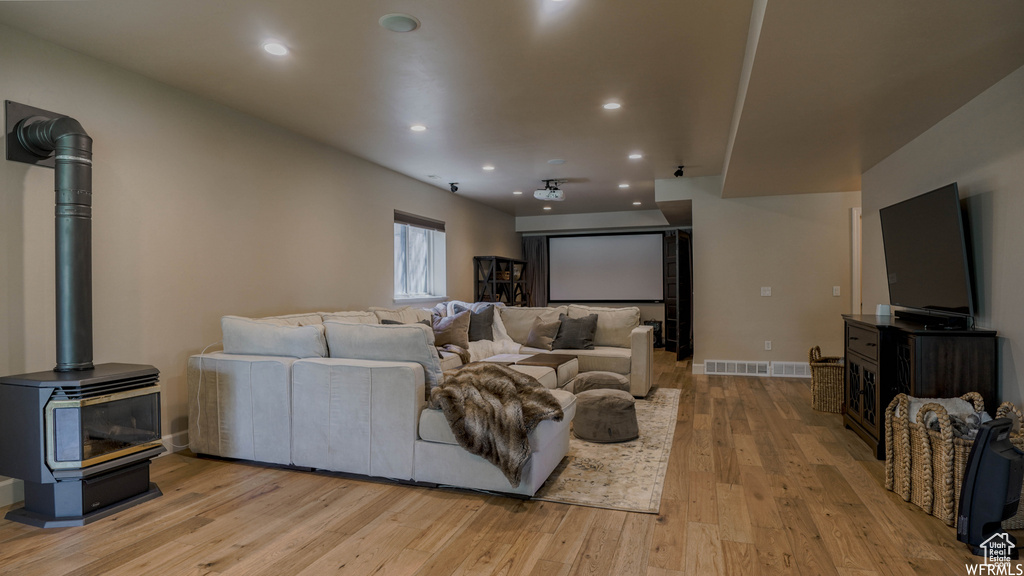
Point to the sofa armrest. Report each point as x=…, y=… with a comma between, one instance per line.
x=356, y=416
x=239, y=406
x=641, y=364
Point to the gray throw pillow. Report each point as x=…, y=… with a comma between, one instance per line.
x=452, y=330
x=542, y=334
x=481, y=323
x=575, y=333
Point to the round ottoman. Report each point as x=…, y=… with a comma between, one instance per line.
x=598, y=380
x=605, y=416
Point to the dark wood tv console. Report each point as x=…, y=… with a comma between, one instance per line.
x=886, y=356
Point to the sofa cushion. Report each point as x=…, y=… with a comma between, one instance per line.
x=405, y=314
x=452, y=330
x=294, y=319
x=354, y=317
x=575, y=333
x=614, y=325
x=434, y=427
x=517, y=320
x=267, y=338
x=607, y=358
x=483, y=349
x=542, y=334
x=481, y=322
x=449, y=360
x=546, y=376
x=389, y=322
x=404, y=343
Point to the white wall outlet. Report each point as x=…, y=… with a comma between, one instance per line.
x=835, y=290
x=767, y=344
x=766, y=290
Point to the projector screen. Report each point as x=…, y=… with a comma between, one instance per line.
x=605, y=268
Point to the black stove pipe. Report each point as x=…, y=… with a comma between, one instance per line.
x=72, y=149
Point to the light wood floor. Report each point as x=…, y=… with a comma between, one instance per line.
x=757, y=483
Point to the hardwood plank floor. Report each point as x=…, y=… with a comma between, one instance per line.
x=758, y=483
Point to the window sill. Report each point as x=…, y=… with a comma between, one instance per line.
x=420, y=299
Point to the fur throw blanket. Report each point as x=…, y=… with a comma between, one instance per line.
x=491, y=409
x=459, y=351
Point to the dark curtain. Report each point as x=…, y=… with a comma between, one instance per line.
x=535, y=252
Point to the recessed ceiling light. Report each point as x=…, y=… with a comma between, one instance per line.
x=274, y=47
x=555, y=161
x=636, y=203
x=488, y=167
x=612, y=106
x=547, y=207
x=635, y=156
x=417, y=127
x=623, y=185
x=399, y=22
x=518, y=192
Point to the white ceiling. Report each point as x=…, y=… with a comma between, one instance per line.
x=834, y=87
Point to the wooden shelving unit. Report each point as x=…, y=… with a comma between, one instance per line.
x=498, y=279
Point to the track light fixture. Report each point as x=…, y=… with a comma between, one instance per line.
x=454, y=186
x=679, y=171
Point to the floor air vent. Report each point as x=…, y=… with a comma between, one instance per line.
x=735, y=368
x=791, y=369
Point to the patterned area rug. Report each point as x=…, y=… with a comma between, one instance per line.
x=625, y=476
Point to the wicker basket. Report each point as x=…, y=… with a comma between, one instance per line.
x=911, y=458
x=826, y=382
x=897, y=447
x=950, y=456
x=927, y=467
x=933, y=458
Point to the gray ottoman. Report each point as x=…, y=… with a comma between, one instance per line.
x=605, y=416
x=598, y=380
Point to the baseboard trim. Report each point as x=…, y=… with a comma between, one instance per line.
x=175, y=442
x=698, y=369
x=11, y=490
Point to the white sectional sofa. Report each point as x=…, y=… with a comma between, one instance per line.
x=341, y=392
x=621, y=343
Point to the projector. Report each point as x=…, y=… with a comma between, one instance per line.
x=549, y=193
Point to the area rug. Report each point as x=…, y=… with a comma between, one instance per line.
x=624, y=476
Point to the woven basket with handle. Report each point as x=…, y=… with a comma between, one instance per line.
x=826, y=382
x=939, y=448
x=897, y=446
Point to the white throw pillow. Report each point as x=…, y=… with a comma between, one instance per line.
x=614, y=325
x=395, y=342
x=267, y=338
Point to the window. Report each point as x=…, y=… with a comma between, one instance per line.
x=419, y=257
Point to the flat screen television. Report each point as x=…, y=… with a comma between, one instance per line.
x=926, y=262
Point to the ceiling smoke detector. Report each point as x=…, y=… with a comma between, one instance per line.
x=550, y=192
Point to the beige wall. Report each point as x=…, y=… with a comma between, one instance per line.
x=799, y=245
x=981, y=147
x=201, y=211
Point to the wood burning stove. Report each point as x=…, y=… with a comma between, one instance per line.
x=81, y=441
x=80, y=436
